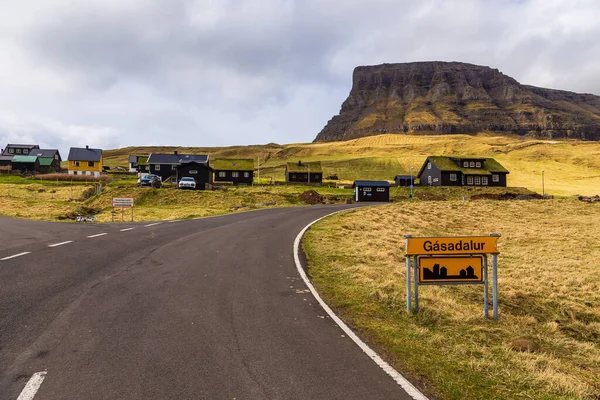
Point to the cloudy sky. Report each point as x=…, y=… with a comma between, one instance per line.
x=113, y=73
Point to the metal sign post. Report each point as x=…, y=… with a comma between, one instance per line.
x=452, y=261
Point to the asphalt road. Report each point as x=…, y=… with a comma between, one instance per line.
x=198, y=309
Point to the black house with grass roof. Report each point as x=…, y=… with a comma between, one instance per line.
x=462, y=171
x=239, y=171
x=300, y=172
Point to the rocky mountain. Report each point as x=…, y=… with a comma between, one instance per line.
x=453, y=97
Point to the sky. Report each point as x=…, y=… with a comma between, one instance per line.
x=116, y=73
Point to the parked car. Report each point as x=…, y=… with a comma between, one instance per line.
x=187, y=183
x=149, y=180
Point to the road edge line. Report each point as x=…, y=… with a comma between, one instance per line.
x=408, y=387
x=32, y=386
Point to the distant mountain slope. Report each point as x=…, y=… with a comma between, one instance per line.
x=453, y=97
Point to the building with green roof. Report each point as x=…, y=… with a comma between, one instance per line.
x=25, y=163
x=304, y=172
x=462, y=171
x=239, y=171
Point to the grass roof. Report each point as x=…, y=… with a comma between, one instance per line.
x=315, y=166
x=233, y=164
x=490, y=166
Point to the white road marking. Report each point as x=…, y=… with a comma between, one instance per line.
x=60, y=244
x=14, y=256
x=149, y=225
x=98, y=234
x=175, y=220
x=33, y=385
x=126, y=229
x=396, y=376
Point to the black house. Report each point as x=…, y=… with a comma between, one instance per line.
x=49, y=160
x=239, y=171
x=12, y=150
x=462, y=171
x=371, y=191
x=310, y=172
x=165, y=165
x=404, y=180
x=201, y=173
x=25, y=163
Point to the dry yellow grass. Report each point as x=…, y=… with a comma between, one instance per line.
x=549, y=296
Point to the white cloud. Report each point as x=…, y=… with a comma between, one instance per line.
x=190, y=72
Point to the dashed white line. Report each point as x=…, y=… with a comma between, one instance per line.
x=60, y=244
x=32, y=386
x=396, y=376
x=15, y=255
x=126, y=229
x=98, y=234
x=175, y=220
x=156, y=223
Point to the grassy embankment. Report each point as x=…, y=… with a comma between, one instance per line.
x=546, y=344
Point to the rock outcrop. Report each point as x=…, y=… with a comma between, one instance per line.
x=453, y=97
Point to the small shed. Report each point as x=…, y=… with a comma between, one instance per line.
x=404, y=180
x=239, y=171
x=201, y=173
x=371, y=191
x=25, y=163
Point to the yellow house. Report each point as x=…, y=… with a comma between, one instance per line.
x=85, y=161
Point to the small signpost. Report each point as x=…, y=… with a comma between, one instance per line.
x=123, y=202
x=452, y=261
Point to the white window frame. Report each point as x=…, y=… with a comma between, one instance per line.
x=235, y=174
x=495, y=178
x=11, y=151
x=484, y=180
x=173, y=167
x=18, y=151
x=381, y=189
x=222, y=174
x=91, y=166
x=453, y=177
x=25, y=151
x=157, y=167
x=246, y=174
x=429, y=165
x=466, y=164
x=429, y=180
x=76, y=163
x=471, y=164
x=366, y=189
x=193, y=172
x=469, y=180
x=478, y=164
x=477, y=181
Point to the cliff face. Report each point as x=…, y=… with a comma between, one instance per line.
x=452, y=97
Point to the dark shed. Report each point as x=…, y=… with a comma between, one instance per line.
x=371, y=191
x=201, y=173
x=404, y=180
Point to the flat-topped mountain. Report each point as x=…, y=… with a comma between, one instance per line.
x=454, y=97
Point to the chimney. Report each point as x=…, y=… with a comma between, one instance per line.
x=175, y=152
x=299, y=163
x=87, y=147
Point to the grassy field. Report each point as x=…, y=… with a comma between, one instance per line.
x=546, y=344
x=571, y=167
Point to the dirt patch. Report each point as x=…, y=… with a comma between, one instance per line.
x=524, y=345
x=590, y=199
x=80, y=211
x=430, y=196
x=505, y=196
x=312, y=197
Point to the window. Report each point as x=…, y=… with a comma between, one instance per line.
x=193, y=172
x=495, y=178
x=478, y=164
x=366, y=189
x=469, y=180
x=90, y=164
x=466, y=164
x=18, y=151
x=173, y=167
x=25, y=151
x=157, y=167
x=484, y=180
x=11, y=151
x=381, y=189
x=246, y=174
x=235, y=174
x=453, y=177
x=429, y=179
x=222, y=174
x=76, y=163
x=428, y=165
x=478, y=180
x=293, y=176
x=56, y=156
x=472, y=164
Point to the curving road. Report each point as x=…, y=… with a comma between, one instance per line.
x=198, y=309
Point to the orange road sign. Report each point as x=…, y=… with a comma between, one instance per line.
x=451, y=245
x=450, y=269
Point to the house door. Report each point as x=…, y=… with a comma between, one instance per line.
x=429, y=180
